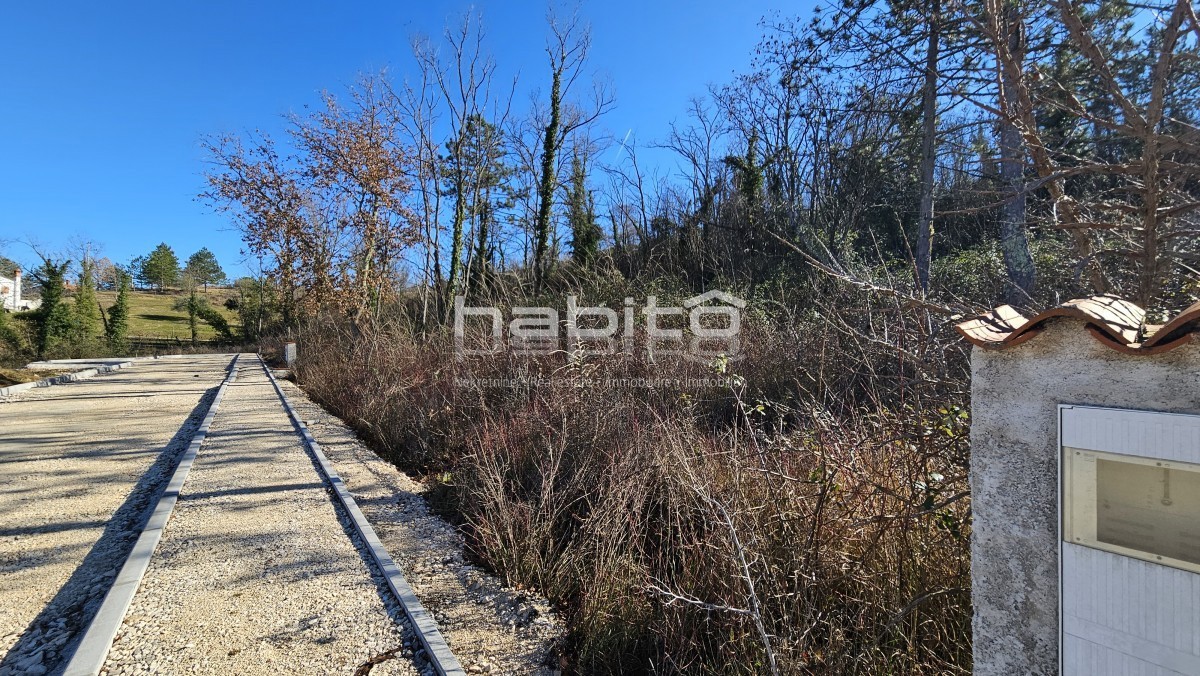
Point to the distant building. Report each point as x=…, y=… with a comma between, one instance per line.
x=10, y=294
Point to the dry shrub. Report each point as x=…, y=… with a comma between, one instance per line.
x=807, y=515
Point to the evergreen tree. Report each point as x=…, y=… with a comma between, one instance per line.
x=52, y=320
x=87, y=308
x=193, y=304
x=213, y=317
x=581, y=214
x=118, y=317
x=204, y=269
x=199, y=310
x=9, y=336
x=160, y=268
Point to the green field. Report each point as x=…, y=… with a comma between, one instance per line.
x=152, y=315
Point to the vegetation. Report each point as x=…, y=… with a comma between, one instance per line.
x=796, y=502
x=116, y=330
x=884, y=170
x=17, y=376
x=257, y=306
x=53, y=318
x=198, y=310
x=159, y=269
x=85, y=322
x=202, y=268
x=11, y=340
x=8, y=267
x=87, y=314
x=155, y=315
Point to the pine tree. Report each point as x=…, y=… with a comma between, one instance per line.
x=477, y=180
x=118, y=318
x=160, y=268
x=203, y=268
x=52, y=319
x=87, y=308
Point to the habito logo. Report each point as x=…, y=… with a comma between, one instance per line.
x=704, y=327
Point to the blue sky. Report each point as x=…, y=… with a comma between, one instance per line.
x=102, y=105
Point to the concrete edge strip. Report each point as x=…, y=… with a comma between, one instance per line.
x=97, y=640
x=64, y=378
x=78, y=375
x=440, y=657
x=106, y=360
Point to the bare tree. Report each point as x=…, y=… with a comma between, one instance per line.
x=266, y=203
x=706, y=175
x=416, y=111
x=464, y=81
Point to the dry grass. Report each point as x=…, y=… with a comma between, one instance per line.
x=811, y=516
x=18, y=376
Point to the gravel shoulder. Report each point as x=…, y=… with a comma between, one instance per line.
x=256, y=572
x=80, y=464
x=490, y=628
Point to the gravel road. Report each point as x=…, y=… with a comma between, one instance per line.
x=258, y=572
x=79, y=466
x=255, y=573
x=490, y=628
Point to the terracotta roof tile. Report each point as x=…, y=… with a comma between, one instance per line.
x=1116, y=323
x=1182, y=323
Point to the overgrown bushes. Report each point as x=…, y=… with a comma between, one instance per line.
x=811, y=511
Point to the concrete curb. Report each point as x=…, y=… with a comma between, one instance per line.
x=97, y=640
x=443, y=661
x=64, y=378
x=102, y=360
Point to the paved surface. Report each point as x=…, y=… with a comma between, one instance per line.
x=79, y=465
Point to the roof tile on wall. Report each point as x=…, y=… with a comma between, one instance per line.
x=1117, y=323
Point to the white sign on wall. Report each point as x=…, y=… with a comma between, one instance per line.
x=1130, y=545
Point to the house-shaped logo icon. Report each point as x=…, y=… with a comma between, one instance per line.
x=715, y=294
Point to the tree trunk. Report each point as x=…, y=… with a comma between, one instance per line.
x=456, y=237
x=1014, y=245
x=928, y=148
x=546, y=186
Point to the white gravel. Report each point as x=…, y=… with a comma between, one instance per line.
x=255, y=573
x=490, y=628
x=258, y=572
x=80, y=464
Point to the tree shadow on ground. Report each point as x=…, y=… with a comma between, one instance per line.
x=77, y=601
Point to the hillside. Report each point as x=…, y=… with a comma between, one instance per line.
x=152, y=315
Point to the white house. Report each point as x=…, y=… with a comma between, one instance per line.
x=10, y=294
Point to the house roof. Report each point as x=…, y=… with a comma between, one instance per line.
x=1117, y=323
